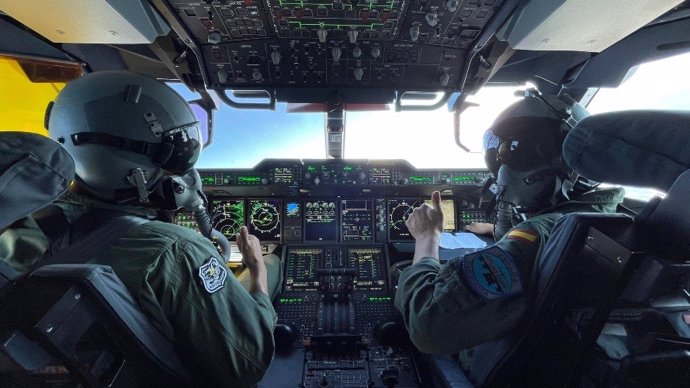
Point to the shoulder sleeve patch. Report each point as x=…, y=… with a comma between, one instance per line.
x=527, y=235
x=492, y=273
x=213, y=275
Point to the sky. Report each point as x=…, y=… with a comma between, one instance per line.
x=244, y=137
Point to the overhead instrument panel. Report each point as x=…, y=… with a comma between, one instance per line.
x=390, y=44
x=265, y=219
x=337, y=20
x=228, y=216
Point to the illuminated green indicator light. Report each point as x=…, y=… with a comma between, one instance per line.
x=311, y=168
x=347, y=168
x=249, y=179
x=420, y=179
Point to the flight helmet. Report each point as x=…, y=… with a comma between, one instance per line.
x=526, y=157
x=125, y=132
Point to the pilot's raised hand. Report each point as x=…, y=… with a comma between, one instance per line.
x=425, y=225
x=250, y=247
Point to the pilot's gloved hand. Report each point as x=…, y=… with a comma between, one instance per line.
x=250, y=247
x=480, y=228
x=425, y=225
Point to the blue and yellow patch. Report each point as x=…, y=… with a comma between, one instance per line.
x=492, y=273
x=213, y=275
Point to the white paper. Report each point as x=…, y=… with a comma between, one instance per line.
x=464, y=240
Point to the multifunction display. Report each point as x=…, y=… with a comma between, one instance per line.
x=370, y=264
x=301, y=268
x=399, y=210
x=228, y=216
x=264, y=219
x=320, y=221
x=357, y=219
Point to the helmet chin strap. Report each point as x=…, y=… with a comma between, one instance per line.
x=138, y=178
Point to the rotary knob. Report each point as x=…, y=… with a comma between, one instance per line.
x=336, y=52
x=359, y=73
x=214, y=37
x=276, y=57
x=322, y=34
x=222, y=76
x=414, y=32
x=256, y=75
x=431, y=19
x=357, y=52
x=352, y=34
x=444, y=79
x=376, y=52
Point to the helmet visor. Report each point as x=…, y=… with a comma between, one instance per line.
x=182, y=147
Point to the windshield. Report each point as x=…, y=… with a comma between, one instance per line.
x=242, y=138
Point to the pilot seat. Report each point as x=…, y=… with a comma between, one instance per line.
x=68, y=324
x=610, y=302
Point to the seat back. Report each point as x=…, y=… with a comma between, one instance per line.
x=68, y=324
x=583, y=266
x=79, y=324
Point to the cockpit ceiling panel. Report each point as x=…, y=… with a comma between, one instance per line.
x=580, y=25
x=93, y=21
x=392, y=44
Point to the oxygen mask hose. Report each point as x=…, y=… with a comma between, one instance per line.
x=188, y=194
x=504, y=219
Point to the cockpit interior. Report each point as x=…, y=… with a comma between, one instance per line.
x=616, y=312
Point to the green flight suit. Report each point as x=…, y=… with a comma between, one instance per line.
x=221, y=332
x=451, y=307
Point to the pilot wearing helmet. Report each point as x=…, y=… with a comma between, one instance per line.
x=480, y=296
x=128, y=133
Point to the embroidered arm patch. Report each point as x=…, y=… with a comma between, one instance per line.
x=213, y=275
x=526, y=235
x=491, y=273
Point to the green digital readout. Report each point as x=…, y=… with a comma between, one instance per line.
x=418, y=179
x=291, y=300
x=347, y=168
x=463, y=178
x=208, y=180
x=248, y=179
x=379, y=298
x=311, y=168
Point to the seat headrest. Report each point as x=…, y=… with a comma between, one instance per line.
x=639, y=148
x=34, y=171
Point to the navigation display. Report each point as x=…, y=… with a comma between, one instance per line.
x=398, y=211
x=370, y=267
x=264, y=219
x=448, y=210
x=301, y=268
x=228, y=216
x=356, y=219
x=320, y=221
